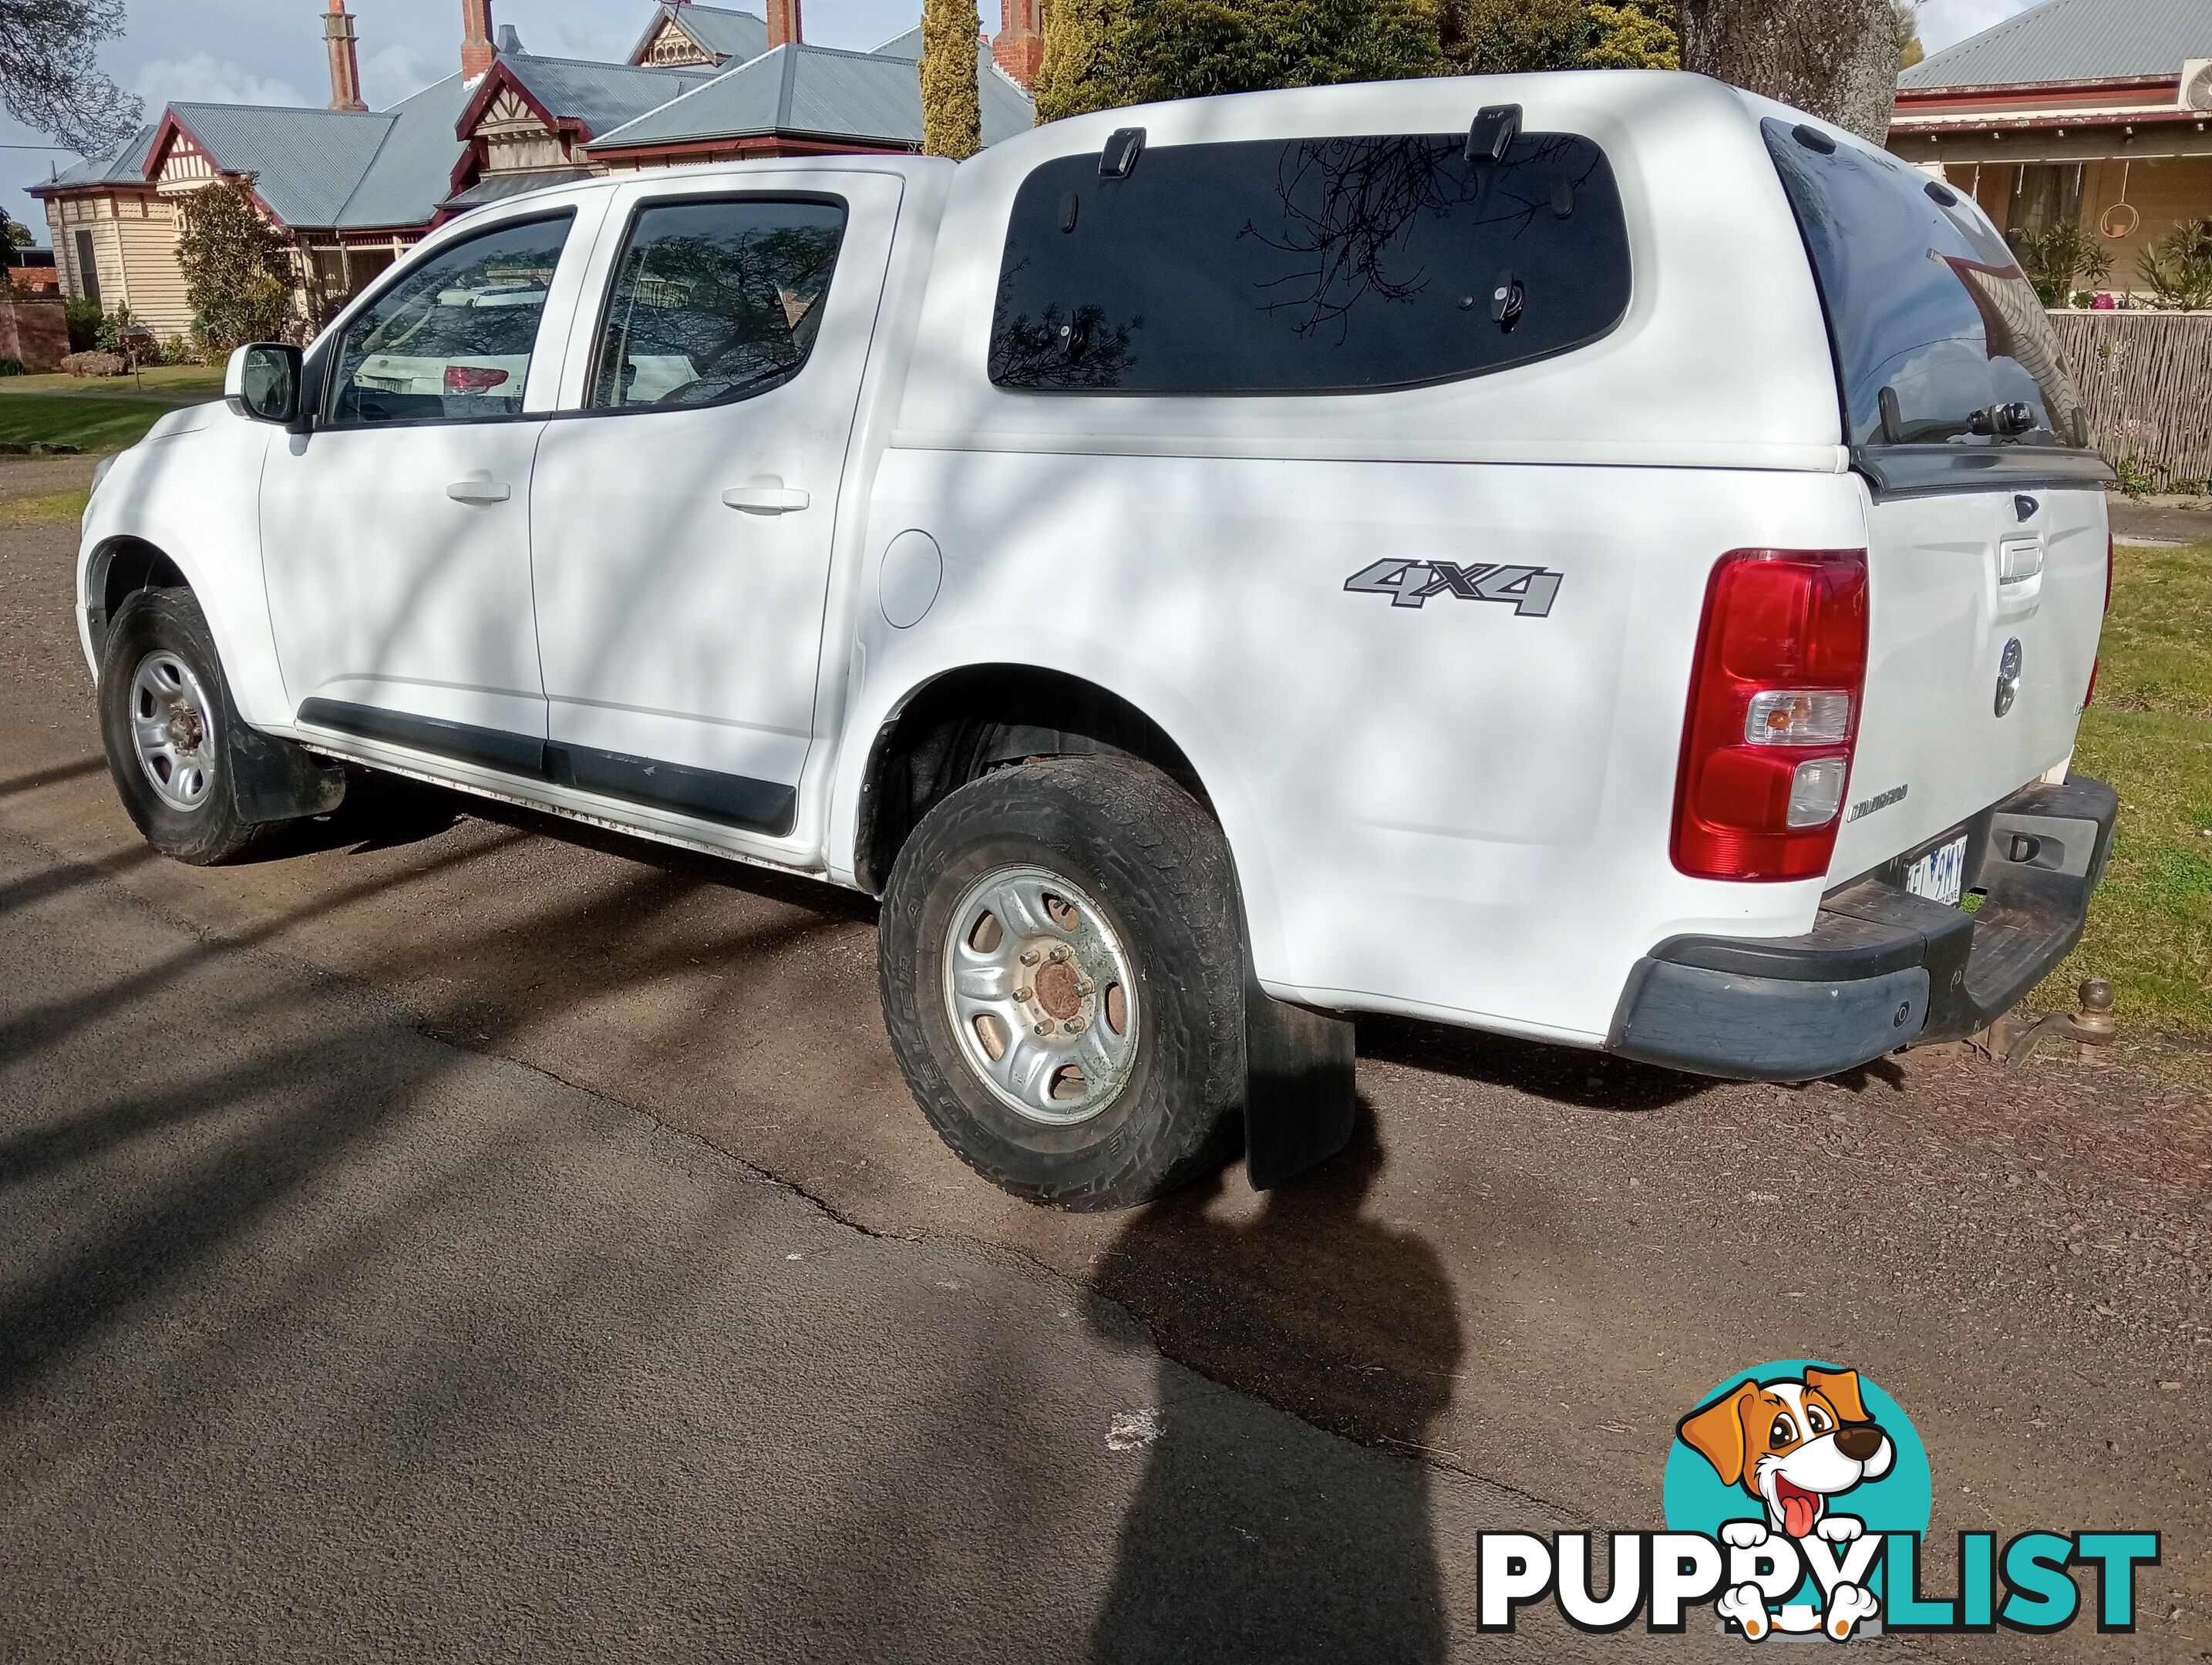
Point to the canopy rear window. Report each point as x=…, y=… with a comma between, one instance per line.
x=1939, y=338
x=1307, y=266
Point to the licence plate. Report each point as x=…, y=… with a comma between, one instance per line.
x=1940, y=874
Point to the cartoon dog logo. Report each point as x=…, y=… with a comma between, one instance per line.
x=1793, y=1443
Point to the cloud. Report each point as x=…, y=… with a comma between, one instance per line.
x=398, y=72
x=204, y=78
x=1947, y=22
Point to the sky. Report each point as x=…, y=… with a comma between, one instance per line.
x=271, y=51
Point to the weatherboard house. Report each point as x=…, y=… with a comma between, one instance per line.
x=353, y=188
x=2092, y=112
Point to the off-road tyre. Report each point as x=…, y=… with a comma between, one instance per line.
x=1157, y=866
x=169, y=621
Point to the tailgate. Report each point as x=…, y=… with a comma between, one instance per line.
x=1985, y=611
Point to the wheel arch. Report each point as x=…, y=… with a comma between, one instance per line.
x=962, y=722
x=117, y=569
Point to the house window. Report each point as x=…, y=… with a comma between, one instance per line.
x=87, y=268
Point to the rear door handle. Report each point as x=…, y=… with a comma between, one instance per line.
x=479, y=491
x=765, y=499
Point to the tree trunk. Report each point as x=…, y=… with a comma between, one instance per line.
x=951, y=118
x=1836, y=59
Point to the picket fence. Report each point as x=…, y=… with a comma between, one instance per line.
x=2147, y=377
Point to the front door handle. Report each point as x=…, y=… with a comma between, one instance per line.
x=479, y=491
x=767, y=499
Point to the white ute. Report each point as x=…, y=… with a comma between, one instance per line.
x=1599, y=558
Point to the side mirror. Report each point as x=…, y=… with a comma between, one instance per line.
x=262, y=382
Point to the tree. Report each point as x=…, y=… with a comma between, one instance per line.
x=238, y=271
x=2057, y=256
x=952, y=117
x=1910, y=52
x=1101, y=54
x=48, y=76
x=1835, y=58
x=15, y=238
x=1637, y=34
x=2177, y=269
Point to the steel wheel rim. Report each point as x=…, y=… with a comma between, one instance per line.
x=1044, y=1008
x=172, y=729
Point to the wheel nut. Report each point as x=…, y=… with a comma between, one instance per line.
x=1028, y=957
x=1084, y=985
x=1073, y=1026
x=1044, y=1028
x=1058, y=955
x=1024, y=995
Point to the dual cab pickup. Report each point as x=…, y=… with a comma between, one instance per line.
x=1595, y=557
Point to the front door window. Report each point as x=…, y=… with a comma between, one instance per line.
x=453, y=341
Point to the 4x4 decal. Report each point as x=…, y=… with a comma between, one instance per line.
x=1411, y=583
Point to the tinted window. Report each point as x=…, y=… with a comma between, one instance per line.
x=451, y=340
x=714, y=302
x=1318, y=265
x=1924, y=303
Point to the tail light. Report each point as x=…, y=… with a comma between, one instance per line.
x=1774, y=713
x=472, y=377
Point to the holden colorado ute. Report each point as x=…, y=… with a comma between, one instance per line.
x=1599, y=558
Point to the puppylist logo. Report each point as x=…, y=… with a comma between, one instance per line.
x=1798, y=1495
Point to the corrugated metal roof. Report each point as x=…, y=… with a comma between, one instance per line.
x=727, y=33
x=815, y=91
x=2074, y=41
x=907, y=46
x=126, y=162
x=498, y=187
x=306, y=162
x=414, y=168
x=603, y=96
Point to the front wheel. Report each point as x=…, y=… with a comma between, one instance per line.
x=166, y=717
x=1062, y=977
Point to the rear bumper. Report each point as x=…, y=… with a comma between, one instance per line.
x=1880, y=969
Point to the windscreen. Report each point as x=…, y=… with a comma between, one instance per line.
x=1939, y=338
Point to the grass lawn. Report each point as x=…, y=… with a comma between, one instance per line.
x=103, y=413
x=172, y=384
x=2149, y=733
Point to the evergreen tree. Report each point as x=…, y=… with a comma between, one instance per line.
x=1504, y=37
x=951, y=118
x=1101, y=54
x=238, y=273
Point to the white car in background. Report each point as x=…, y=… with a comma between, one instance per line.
x=1596, y=557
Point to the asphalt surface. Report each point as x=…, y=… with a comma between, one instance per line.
x=1534, y=1263
x=324, y=1340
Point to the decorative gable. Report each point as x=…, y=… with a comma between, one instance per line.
x=671, y=47
x=515, y=137
x=179, y=164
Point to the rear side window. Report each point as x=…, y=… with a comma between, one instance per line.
x=1307, y=266
x=714, y=301
x=1939, y=337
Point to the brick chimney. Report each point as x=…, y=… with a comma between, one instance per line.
x=476, y=50
x=1020, y=48
x=783, y=24
x=345, y=61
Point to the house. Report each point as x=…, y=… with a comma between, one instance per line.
x=352, y=189
x=2092, y=112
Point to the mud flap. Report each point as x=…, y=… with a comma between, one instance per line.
x=274, y=780
x=1299, y=1102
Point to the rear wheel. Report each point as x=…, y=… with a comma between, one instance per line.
x=167, y=718
x=1062, y=969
